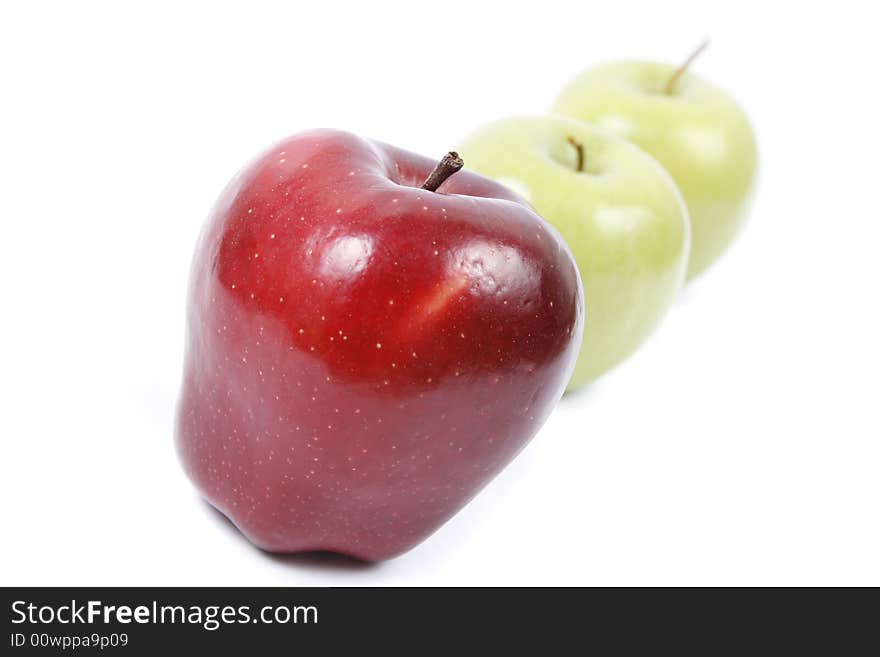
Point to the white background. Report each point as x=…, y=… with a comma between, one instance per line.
x=741, y=445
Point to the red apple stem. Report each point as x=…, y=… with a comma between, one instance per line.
x=579, y=147
x=450, y=164
x=681, y=70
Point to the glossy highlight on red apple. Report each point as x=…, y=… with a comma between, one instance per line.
x=364, y=355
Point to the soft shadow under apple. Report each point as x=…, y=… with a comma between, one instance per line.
x=585, y=393
x=329, y=561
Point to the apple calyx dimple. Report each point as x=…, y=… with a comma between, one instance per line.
x=447, y=166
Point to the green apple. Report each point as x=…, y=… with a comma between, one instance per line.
x=617, y=208
x=693, y=128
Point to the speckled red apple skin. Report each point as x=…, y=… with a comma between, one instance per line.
x=363, y=355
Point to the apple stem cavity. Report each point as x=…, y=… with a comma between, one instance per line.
x=672, y=83
x=450, y=164
x=579, y=147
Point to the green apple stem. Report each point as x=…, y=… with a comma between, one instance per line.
x=681, y=70
x=450, y=164
x=579, y=147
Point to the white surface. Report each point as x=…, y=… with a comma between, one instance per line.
x=740, y=446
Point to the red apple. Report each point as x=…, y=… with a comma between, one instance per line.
x=363, y=353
